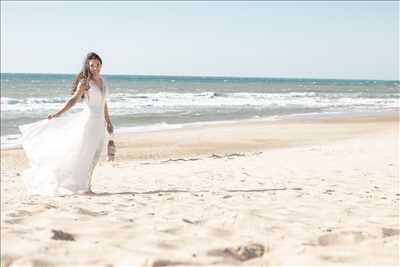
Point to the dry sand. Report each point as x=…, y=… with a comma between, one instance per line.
x=260, y=193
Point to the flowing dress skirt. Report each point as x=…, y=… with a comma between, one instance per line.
x=63, y=152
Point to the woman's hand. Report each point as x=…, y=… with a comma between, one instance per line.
x=110, y=128
x=70, y=102
x=51, y=116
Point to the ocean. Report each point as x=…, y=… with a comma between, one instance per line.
x=148, y=103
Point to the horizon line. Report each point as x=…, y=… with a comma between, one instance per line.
x=210, y=76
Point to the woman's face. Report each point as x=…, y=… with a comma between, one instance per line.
x=94, y=67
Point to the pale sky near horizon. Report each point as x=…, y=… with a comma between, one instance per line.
x=349, y=40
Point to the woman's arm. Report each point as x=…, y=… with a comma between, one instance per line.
x=70, y=102
x=110, y=128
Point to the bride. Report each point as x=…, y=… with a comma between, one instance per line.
x=64, y=148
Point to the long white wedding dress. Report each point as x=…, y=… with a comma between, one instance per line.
x=63, y=151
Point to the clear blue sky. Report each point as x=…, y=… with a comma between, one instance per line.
x=269, y=39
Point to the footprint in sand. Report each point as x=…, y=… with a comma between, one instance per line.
x=61, y=235
x=19, y=213
x=91, y=213
x=13, y=221
x=26, y=261
x=166, y=245
x=345, y=257
x=105, y=203
x=342, y=238
x=50, y=206
x=328, y=191
x=161, y=263
x=240, y=253
x=195, y=222
x=168, y=230
x=387, y=232
x=30, y=203
x=121, y=207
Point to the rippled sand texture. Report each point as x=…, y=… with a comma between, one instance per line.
x=269, y=193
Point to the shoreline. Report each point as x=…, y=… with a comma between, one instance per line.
x=163, y=127
x=246, y=136
x=252, y=135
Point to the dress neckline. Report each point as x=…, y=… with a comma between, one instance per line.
x=101, y=89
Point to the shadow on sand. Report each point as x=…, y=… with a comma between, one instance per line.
x=187, y=191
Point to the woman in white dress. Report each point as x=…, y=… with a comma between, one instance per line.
x=64, y=148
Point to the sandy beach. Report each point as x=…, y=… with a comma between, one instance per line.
x=250, y=193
